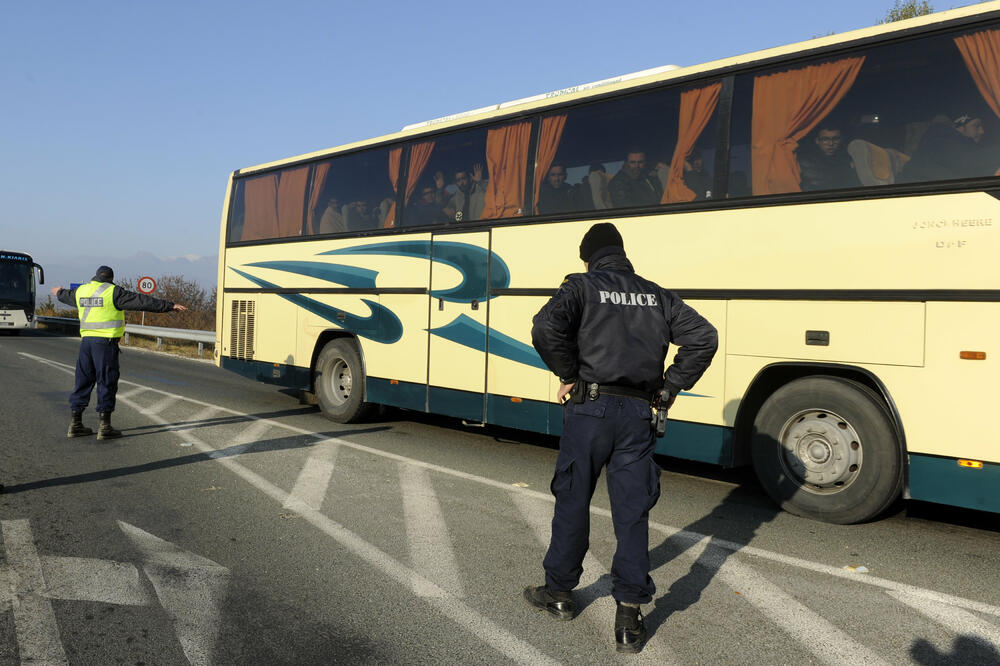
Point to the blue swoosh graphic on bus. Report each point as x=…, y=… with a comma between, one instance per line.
x=470, y=260
x=470, y=333
x=349, y=276
x=382, y=325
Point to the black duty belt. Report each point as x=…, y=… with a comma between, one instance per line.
x=593, y=390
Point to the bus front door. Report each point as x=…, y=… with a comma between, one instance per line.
x=459, y=296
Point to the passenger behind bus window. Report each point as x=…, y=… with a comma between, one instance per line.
x=554, y=195
x=425, y=208
x=696, y=178
x=332, y=221
x=951, y=150
x=382, y=211
x=634, y=185
x=593, y=193
x=469, y=199
x=824, y=163
x=356, y=216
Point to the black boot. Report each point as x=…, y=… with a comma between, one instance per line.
x=76, y=427
x=105, y=431
x=559, y=603
x=630, y=631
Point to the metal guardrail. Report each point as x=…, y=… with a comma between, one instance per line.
x=159, y=332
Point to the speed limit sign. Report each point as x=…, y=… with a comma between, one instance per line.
x=147, y=285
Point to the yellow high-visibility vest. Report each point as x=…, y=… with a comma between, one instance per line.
x=98, y=315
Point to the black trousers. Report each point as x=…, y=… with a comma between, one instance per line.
x=97, y=364
x=611, y=431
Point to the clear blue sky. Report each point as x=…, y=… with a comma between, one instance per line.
x=122, y=120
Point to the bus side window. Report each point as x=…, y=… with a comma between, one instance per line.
x=270, y=205
x=237, y=212
x=906, y=112
x=353, y=193
x=641, y=151
x=450, y=179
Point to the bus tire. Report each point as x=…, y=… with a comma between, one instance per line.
x=826, y=448
x=339, y=382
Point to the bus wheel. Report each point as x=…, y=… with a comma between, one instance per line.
x=340, y=382
x=826, y=448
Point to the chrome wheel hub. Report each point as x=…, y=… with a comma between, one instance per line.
x=821, y=451
x=339, y=382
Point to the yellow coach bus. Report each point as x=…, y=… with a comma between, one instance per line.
x=830, y=206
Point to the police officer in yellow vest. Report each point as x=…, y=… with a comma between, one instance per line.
x=102, y=324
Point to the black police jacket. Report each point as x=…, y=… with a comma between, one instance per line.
x=611, y=326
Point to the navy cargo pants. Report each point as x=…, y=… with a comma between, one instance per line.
x=614, y=431
x=96, y=364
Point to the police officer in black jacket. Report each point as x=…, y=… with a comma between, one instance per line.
x=605, y=334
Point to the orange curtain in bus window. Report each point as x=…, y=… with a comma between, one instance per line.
x=395, y=157
x=507, y=161
x=697, y=107
x=319, y=179
x=548, y=144
x=786, y=107
x=420, y=155
x=981, y=52
x=292, y=201
x=261, y=217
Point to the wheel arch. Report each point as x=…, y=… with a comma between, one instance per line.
x=775, y=375
x=334, y=334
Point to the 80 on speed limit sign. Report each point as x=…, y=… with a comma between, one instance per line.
x=147, y=285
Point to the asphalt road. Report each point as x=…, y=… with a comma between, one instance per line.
x=232, y=525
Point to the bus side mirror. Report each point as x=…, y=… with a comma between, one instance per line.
x=41, y=273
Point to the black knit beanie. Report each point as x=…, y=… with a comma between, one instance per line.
x=105, y=273
x=600, y=235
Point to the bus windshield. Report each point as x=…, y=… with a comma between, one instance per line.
x=16, y=284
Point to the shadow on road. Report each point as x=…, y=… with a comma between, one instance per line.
x=231, y=419
x=262, y=446
x=730, y=526
x=966, y=650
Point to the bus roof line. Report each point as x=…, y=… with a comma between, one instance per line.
x=543, y=96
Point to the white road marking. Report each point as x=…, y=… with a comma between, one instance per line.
x=38, y=639
x=742, y=549
x=314, y=479
x=431, y=552
x=821, y=637
x=131, y=393
x=249, y=436
x=960, y=621
x=461, y=614
x=156, y=407
x=593, y=594
x=191, y=590
x=85, y=579
x=196, y=420
x=6, y=590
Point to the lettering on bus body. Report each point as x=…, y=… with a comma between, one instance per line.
x=970, y=223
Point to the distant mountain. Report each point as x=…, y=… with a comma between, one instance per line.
x=202, y=270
